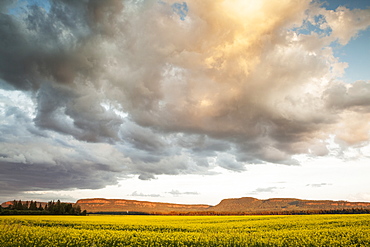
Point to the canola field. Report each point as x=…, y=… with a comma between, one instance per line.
x=303, y=230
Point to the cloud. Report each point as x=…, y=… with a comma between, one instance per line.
x=93, y=91
x=345, y=23
x=42, y=196
x=352, y=105
x=135, y=193
x=178, y=193
x=229, y=162
x=37, y=166
x=353, y=96
x=265, y=190
x=318, y=185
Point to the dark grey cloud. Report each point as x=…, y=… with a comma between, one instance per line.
x=93, y=91
x=4, y=5
x=39, y=45
x=202, y=144
x=144, y=138
x=146, y=176
x=81, y=116
x=30, y=177
x=32, y=159
x=230, y=163
x=356, y=96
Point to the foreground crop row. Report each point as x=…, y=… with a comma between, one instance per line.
x=307, y=230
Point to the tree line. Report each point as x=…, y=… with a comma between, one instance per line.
x=226, y=213
x=36, y=208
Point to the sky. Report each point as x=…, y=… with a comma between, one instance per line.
x=184, y=101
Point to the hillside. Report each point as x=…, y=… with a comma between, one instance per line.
x=121, y=205
x=235, y=205
x=250, y=204
x=247, y=205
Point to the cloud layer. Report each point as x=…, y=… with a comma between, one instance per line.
x=93, y=91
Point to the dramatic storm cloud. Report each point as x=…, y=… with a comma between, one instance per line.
x=95, y=91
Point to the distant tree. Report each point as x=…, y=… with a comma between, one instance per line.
x=77, y=209
x=19, y=205
x=25, y=205
x=32, y=206
x=68, y=208
x=51, y=207
x=58, y=208
x=13, y=205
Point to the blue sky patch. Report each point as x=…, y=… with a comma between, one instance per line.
x=181, y=9
x=356, y=53
x=21, y=6
x=308, y=27
x=352, y=4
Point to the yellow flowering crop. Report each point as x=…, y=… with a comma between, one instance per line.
x=304, y=230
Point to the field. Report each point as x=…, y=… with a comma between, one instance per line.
x=305, y=230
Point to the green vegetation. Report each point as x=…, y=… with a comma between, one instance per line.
x=36, y=208
x=302, y=230
x=267, y=212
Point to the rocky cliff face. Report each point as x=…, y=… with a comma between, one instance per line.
x=235, y=205
x=121, y=205
x=249, y=204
